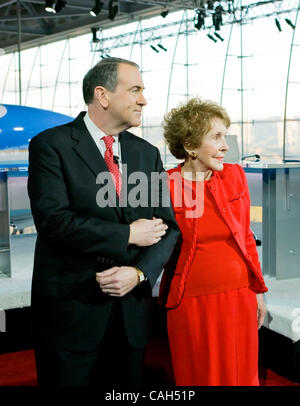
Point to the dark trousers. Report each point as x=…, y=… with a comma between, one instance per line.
x=115, y=362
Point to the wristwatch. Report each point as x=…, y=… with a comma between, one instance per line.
x=140, y=275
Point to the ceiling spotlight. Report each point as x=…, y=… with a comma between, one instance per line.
x=278, y=24
x=154, y=49
x=113, y=8
x=164, y=12
x=217, y=17
x=200, y=20
x=162, y=47
x=94, y=32
x=230, y=6
x=290, y=23
x=49, y=6
x=210, y=5
x=97, y=8
x=60, y=4
x=218, y=36
x=211, y=37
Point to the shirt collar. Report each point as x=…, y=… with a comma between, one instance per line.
x=95, y=131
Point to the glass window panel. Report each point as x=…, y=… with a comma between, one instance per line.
x=193, y=65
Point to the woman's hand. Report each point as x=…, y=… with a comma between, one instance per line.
x=144, y=232
x=261, y=309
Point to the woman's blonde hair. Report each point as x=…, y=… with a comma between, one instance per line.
x=189, y=122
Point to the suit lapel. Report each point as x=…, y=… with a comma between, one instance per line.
x=87, y=150
x=130, y=157
x=133, y=158
x=129, y=153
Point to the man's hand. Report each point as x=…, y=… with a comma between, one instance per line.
x=261, y=309
x=144, y=232
x=117, y=281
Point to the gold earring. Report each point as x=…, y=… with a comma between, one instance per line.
x=193, y=155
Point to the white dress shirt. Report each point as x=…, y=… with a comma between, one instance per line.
x=97, y=134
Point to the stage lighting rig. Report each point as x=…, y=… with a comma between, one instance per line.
x=219, y=36
x=164, y=12
x=59, y=5
x=230, y=6
x=113, y=8
x=290, y=23
x=95, y=39
x=210, y=5
x=278, y=24
x=97, y=8
x=211, y=37
x=200, y=19
x=154, y=49
x=49, y=6
x=217, y=17
x=162, y=47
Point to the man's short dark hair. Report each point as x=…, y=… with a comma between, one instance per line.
x=104, y=73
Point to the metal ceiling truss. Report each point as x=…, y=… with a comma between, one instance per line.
x=25, y=23
x=186, y=25
x=40, y=27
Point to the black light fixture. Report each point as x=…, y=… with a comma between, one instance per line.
x=97, y=8
x=200, y=19
x=211, y=37
x=210, y=5
x=113, y=8
x=278, y=24
x=60, y=4
x=219, y=36
x=230, y=6
x=164, y=12
x=154, y=49
x=95, y=39
x=49, y=6
x=162, y=47
x=217, y=17
x=290, y=23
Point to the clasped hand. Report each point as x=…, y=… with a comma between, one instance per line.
x=144, y=232
x=118, y=280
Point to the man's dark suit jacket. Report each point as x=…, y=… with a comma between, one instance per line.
x=77, y=238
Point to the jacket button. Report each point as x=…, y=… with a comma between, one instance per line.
x=224, y=210
x=212, y=187
x=235, y=233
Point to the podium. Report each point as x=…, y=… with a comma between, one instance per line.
x=275, y=215
x=4, y=227
x=14, y=210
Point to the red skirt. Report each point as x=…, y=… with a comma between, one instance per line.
x=214, y=339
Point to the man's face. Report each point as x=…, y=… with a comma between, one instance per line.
x=126, y=102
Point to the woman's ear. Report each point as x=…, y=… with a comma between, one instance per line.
x=100, y=94
x=187, y=147
x=190, y=151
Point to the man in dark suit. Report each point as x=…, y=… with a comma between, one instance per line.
x=96, y=262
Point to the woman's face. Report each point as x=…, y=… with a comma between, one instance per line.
x=210, y=155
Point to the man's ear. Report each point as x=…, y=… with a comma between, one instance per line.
x=100, y=94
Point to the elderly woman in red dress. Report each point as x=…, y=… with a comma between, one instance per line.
x=213, y=285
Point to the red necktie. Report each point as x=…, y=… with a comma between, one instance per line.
x=112, y=166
